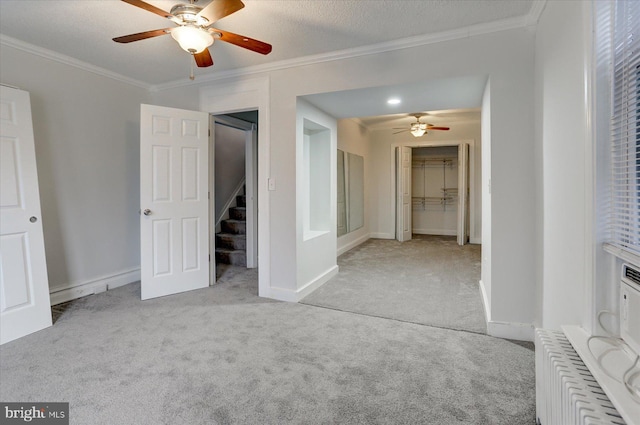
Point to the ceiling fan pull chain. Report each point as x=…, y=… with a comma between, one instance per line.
x=191, y=76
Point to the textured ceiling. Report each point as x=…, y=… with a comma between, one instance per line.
x=83, y=29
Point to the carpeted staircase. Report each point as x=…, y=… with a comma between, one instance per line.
x=231, y=242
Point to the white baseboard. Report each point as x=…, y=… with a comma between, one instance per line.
x=511, y=330
x=353, y=244
x=381, y=236
x=475, y=241
x=104, y=283
x=506, y=330
x=290, y=295
x=439, y=232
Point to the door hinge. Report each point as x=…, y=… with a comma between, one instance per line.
x=208, y=195
x=209, y=257
x=209, y=132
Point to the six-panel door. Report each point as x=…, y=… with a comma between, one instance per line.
x=174, y=200
x=24, y=287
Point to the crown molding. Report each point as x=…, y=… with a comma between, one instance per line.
x=536, y=10
x=405, y=43
x=528, y=20
x=68, y=60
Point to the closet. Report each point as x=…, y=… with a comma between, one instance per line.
x=434, y=190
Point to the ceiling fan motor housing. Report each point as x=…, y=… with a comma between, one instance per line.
x=188, y=14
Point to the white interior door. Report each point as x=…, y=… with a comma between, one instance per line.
x=403, y=203
x=174, y=221
x=463, y=193
x=24, y=287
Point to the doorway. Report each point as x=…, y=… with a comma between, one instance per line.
x=234, y=234
x=432, y=190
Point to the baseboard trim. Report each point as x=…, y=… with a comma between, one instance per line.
x=381, y=236
x=438, y=232
x=475, y=241
x=94, y=286
x=511, y=330
x=289, y=295
x=353, y=244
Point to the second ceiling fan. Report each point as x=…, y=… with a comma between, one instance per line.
x=194, y=32
x=418, y=128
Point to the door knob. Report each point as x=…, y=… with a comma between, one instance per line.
x=146, y=212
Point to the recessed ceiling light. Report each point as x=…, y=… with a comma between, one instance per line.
x=393, y=101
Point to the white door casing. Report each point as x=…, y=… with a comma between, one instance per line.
x=174, y=221
x=463, y=193
x=251, y=183
x=404, y=202
x=24, y=287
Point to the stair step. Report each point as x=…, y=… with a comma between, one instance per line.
x=230, y=256
x=241, y=201
x=231, y=241
x=234, y=226
x=238, y=213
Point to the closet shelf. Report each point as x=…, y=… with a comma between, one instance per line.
x=433, y=162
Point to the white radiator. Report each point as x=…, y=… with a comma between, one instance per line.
x=566, y=392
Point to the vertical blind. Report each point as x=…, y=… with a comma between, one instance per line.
x=625, y=127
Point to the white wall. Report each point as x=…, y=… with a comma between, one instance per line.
x=382, y=193
x=506, y=57
x=561, y=144
x=87, y=149
x=316, y=251
x=229, y=159
x=354, y=138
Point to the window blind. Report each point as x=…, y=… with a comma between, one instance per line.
x=625, y=128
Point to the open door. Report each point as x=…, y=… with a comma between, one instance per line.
x=174, y=204
x=403, y=193
x=24, y=286
x=463, y=193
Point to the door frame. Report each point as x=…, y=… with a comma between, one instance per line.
x=425, y=144
x=250, y=94
x=251, y=168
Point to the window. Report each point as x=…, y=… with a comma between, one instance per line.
x=625, y=128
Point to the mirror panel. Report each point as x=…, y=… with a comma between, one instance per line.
x=350, y=192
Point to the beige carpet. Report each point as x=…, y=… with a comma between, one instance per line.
x=430, y=280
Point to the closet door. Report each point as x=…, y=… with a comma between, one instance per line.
x=403, y=191
x=463, y=193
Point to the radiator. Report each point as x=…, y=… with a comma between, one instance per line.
x=566, y=392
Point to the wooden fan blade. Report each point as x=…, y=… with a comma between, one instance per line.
x=149, y=8
x=245, y=42
x=203, y=59
x=141, y=35
x=218, y=9
x=437, y=128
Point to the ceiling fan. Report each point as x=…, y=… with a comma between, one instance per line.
x=193, y=31
x=419, y=128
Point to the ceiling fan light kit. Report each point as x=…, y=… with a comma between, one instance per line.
x=192, y=39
